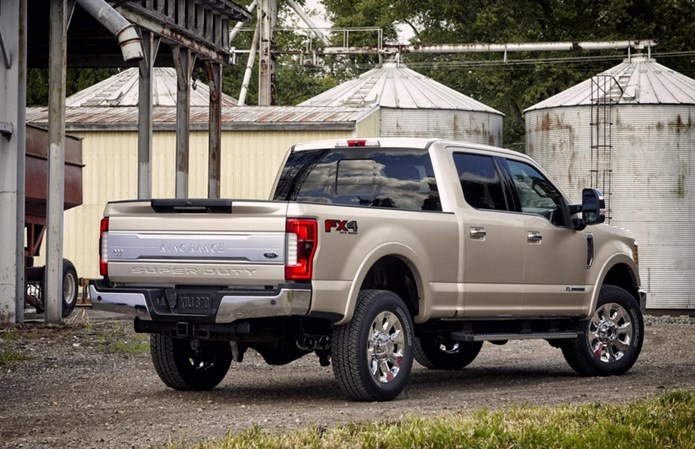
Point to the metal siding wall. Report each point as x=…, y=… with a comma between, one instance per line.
x=252, y=159
x=653, y=163
x=369, y=126
x=110, y=173
x=470, y=126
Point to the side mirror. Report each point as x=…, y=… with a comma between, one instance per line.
x=593, y=207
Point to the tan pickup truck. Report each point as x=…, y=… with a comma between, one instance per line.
x=373, y=253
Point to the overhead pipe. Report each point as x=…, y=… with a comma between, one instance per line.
x=491, y=48
x=300, y=11
x=235, y=31
x=249, y=66
x=539, y=46
x=128, y=38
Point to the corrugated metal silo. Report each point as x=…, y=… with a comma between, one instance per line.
x=413, y=105
x=644, y=149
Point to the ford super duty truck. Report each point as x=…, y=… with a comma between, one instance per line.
x=372, y=254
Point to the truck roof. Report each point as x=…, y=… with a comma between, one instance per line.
x=397, y=142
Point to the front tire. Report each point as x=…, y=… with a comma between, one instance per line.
x=372, y=355
x=185, y=364
x=441, y=352
x=612, y=338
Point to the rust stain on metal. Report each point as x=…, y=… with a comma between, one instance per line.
x=681, y=125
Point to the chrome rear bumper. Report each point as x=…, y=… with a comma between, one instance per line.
x=284, y=301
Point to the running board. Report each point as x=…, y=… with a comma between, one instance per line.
x=468, y=336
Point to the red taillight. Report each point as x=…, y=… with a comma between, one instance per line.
x=104, y=247
x=302, y=239
x=357, y=142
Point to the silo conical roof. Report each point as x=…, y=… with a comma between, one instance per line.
x=395, y=86
x=641, y=80
x=121, y=89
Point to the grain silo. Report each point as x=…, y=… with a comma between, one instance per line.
x=630, y=131
x=413, y=105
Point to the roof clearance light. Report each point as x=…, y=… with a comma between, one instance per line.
x=358, y=143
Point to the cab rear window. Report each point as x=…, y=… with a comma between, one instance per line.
x=401, y=179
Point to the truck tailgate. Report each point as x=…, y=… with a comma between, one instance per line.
x=196, y=242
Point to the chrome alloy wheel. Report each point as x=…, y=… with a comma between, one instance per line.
x=385, y=346
x=610, y=332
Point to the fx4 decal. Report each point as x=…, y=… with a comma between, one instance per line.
x=341, y=226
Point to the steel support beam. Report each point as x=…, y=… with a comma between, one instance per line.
x=174, y=29
x=215, y=132
x=267, y=16
x=184, y=61
x=53, y=292
x=21, y=158
x=150, y=45
x=10, y=149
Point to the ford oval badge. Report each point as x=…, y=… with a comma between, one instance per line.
x=270, y=255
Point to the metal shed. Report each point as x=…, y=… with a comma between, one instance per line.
x=254, y=142
x=632, y=129
x=413, y=105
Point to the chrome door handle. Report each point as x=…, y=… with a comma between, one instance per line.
x=478, y=233
x=534, y=237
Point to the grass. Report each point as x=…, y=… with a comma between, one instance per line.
x=9, y=358
x=113, y=337
x=8, y=355
x=664, y=422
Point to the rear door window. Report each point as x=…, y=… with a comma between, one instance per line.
x=480, y=181
x=401, y=179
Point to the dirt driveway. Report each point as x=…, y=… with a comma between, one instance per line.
x=91, y=384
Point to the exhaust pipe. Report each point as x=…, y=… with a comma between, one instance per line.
x=128, y=38
x=323, y=343
x=307, y=342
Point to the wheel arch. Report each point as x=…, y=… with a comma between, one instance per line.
x=619, y=271
x=391, y=267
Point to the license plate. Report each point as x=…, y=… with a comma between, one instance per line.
x=195, y=303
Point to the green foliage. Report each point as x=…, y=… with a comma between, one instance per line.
x=664, y=422
x=75, y=81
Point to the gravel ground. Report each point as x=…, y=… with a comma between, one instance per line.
x=91, y=384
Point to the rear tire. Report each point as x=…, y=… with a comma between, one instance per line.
x=185, y=364
x=70, y=287
x=612, y=338
x=372, y=355
x=441, y=352
x=70, y=290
